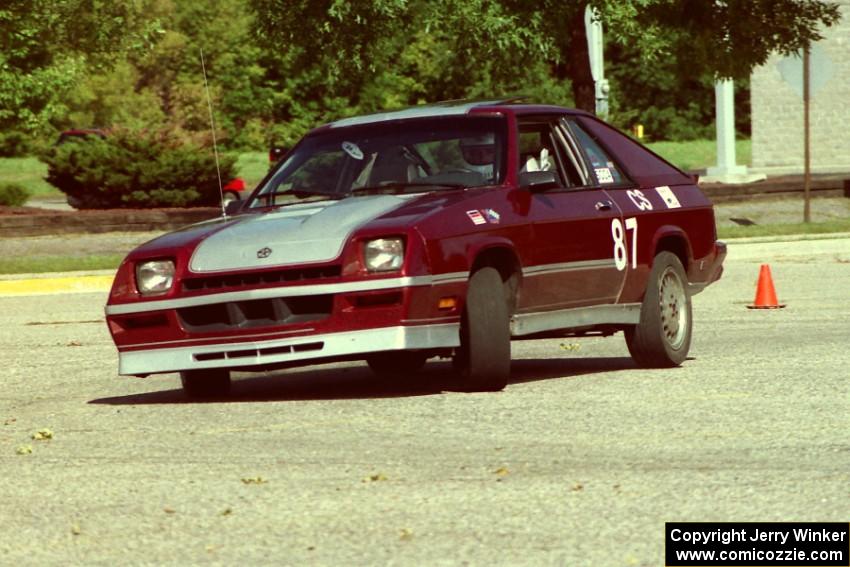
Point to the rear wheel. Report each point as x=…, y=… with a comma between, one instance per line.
x=483, y=361
x=200, y=384
x=396, y=363
x=663, y=336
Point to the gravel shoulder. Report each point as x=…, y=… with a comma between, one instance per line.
x=74, y=245
x=782, y=211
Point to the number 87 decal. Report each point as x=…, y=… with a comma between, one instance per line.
x=620, y=254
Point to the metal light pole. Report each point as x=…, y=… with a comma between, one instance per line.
x=593, y=30
x=726, y=170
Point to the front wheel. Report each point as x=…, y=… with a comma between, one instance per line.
x=662, y=338
x=483, y=361
x=200, y=384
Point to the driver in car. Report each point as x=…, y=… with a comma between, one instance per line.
x=480, y=153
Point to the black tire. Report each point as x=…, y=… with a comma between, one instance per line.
x=483, y=361
x=663, y=336
x=201, y=384
x=396, y=363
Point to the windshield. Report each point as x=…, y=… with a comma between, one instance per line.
x=394, y=157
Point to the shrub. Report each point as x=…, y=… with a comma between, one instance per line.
x=136, y=169
x=13, y=195
x=15, y=144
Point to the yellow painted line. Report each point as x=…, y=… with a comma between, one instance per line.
x=49, y=286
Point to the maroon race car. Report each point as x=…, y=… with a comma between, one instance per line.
x=444, y=230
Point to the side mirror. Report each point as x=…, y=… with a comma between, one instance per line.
x=233, y=207
x=538, y=180
x=275, y=153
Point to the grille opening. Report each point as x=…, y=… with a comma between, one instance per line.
x=276, y=350
x=209, y=356
x=259, y=312
x=247, y=353
x=204, y=317
x=260, y=278
x=377, y=299
x=241, y=353
x=145, y=321
x=255, y=313
x=310, y=304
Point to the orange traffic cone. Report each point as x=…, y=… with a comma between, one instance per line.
x=765, y=294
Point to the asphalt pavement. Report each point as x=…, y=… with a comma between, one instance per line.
x=580, y=461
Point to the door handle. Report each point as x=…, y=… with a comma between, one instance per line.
x=603, y=205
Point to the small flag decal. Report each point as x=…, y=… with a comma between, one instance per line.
x=476, y=217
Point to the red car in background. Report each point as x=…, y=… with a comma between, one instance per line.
x=233, y=190
x=445, y=230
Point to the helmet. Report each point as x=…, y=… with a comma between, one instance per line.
x=479, y=150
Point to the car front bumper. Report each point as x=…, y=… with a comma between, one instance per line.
x=281, y=351
x=356, y=319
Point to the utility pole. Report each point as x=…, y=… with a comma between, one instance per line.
x=807, y=154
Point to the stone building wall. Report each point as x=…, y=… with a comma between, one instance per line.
x=777, y=107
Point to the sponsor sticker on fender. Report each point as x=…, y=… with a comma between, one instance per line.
x=484, y=216
x=668, y=197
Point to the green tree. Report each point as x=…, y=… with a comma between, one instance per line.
x=46, y=46
x=725, y=38
x=239, y=85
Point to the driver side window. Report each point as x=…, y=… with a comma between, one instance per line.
x=541, y=148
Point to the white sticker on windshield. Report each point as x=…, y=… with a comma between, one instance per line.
x=352, y=149
x=668, y=196
x=603, y=174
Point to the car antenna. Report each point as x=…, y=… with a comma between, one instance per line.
x=215, y=145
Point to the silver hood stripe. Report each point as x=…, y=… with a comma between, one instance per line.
x=296, y=234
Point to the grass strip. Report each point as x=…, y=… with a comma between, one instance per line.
x=30, y=173
x=44, y=264
x=826, y=227
x=699, y=154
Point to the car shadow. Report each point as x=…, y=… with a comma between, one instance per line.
x=358, y=382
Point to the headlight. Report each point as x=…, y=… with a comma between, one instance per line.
x=155, y=276
x=384, y=254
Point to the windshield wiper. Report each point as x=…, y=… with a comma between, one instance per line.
x=268, y=198
x=400, y=187
x=304, y=193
